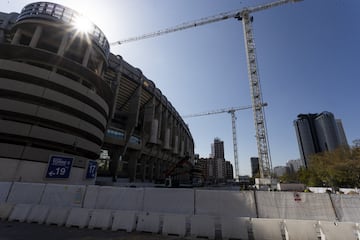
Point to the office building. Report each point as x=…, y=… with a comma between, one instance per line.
x=280, y=170
x=317, y=133
x=342, y=136
x=294, y=165
x=218, y=148
x=229, y=170
x=255, y=170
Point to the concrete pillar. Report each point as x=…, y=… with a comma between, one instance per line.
x=17, y=37
x=157, y=169
x=2, y=36
x=151, y=169
x=36, y=36
x=158, y=117
x=132, y=167
x=143, y=168
x=99, y=69
x=63, y=45
x=87, y=54
x=114, y=163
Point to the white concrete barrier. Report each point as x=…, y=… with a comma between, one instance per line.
x=169, y=200
x=101, y=218
x=91, y=195
x=266, y=229
x=338, y=230
x=38, y=214
x=295, y=205
x=63, y=195
x=4, y=191
x=301, y=229
x=20, y=212
x=349, y=190
x=319, y=189
x=58, y=215
x=148, y=222
x=202, y=226
x=235, y=227
x=174, y=224
x=78, y=217
x=124, y=220
x=30, y=193
x=225, y=203
x=5, y=210
x=347, y=207
x=118, y=198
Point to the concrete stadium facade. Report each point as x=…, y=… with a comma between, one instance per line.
x=64, y=94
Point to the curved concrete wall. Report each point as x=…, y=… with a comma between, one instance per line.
x=63, y=94
x=54, y=99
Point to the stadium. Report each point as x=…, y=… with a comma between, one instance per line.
x=66, y=99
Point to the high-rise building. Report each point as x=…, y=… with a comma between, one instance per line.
x=281, y=170
x=218, y=148
x=294, y=165
x=317, y=133
x=343, y=140
x=217, y=168
x=254, y=166
x=229, y=170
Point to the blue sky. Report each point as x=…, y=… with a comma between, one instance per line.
x=308, y=57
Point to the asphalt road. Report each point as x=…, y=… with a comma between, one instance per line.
x=30, y=231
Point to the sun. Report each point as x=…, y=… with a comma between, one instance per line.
x=83, y=24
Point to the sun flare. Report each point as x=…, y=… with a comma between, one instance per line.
x=83, y=24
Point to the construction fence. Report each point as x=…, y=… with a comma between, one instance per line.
x=183, y=212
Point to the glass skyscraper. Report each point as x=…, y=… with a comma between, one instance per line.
x=318, y=133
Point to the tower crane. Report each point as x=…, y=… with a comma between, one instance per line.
x=233, y=121
x=255, y=89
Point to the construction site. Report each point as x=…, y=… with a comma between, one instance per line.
x=77, y=120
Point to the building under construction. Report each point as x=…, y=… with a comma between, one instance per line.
x=64, y=94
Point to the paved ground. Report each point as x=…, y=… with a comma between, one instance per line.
x=30, y=231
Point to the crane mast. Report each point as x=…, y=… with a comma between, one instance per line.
x=236, y=160
x=256, y=97
x=265, y=164
x=233, y=122
x=253, y=73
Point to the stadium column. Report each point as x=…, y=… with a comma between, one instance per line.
x=165, y=130
x=158, y=116
x=151, y=168
x=17, y=36
x=150, y=123
x=157, y=168
x=143, y=167
x=114, y=162
x=172, y=134
x=63, y=44
x=134, y=106
x=86, y=56
x=132, y=164
x=36, y=36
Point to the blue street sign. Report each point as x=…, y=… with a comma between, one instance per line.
x=59, y=167
x=91, y=169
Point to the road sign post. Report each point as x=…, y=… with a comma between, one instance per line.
x=59, y=167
